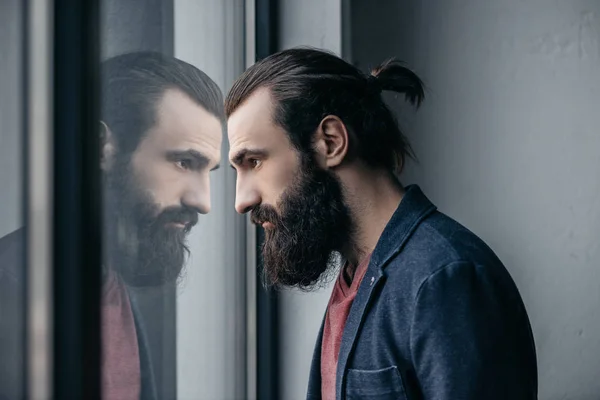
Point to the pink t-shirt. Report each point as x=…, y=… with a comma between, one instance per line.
x=338, y=309
x=120, y=352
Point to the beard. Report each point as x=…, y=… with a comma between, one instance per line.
x=313, y=224
x=141, y=244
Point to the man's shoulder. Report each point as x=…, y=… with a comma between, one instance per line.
x=439, y=241
x=11, y=252
x=15, y=237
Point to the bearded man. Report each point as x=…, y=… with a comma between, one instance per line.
x=421, y=307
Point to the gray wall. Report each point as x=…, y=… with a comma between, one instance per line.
x=509, y=144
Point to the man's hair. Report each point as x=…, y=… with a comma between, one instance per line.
x=132, y=84
x=308, y=84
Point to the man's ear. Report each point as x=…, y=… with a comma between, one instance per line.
x=331, y=142
x=107, y=147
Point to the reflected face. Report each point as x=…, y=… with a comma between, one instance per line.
x=300, y=205
x=154, y=195
x=175, y=157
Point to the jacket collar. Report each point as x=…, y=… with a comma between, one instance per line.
x=413, y=208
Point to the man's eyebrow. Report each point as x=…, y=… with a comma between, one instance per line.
x=239, y=157
x=200, y=159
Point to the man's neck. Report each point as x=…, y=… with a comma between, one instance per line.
x=372, y=197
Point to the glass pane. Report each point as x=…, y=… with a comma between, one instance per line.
x=12, y=262
x=173, y=298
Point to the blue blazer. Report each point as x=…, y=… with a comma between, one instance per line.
x=12, y=265
x=436, y=317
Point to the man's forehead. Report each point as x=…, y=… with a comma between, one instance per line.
x=252, y=121
x=253, y=115
x=183, y=122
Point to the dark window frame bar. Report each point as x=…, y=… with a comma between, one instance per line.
x=266, y=43
x=77, y=234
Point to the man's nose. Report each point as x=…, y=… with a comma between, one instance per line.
x=246, y=197
x=197, y=196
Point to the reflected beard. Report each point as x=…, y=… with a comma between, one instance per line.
x=314, y=224
x=140, y=246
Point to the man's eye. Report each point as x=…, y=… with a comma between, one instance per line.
x=255, y=163
x=184, y=164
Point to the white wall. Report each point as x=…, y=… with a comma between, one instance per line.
x=315, y=23
x=509, y=144
x=210, y=333
x=10, y=117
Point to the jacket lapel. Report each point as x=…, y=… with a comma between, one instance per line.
x=147, y=382
x=314, y=379
x=413, y=208
x=369, y=283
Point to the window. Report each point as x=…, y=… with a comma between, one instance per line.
x=94, y=219
x=195, y=326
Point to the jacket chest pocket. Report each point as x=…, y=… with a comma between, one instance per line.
x=381, y=384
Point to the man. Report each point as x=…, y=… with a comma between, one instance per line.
x=161, y=132
x=421, y=307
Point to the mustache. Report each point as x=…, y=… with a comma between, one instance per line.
x=264, y=213
x=178, y=215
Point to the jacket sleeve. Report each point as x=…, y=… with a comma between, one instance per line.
x=471, y=338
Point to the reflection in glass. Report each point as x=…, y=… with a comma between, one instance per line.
x=12, y=261
x=161, y=133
